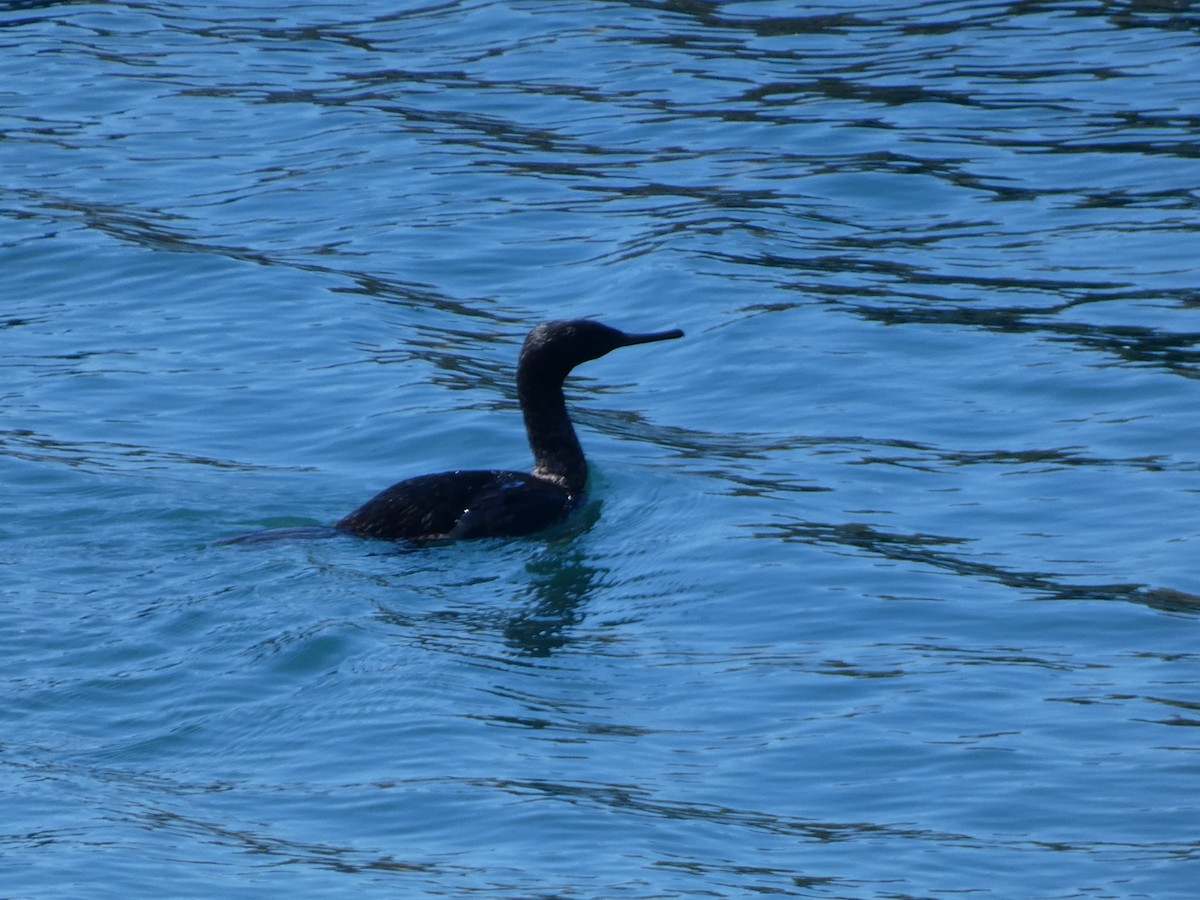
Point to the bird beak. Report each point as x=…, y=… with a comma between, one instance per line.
x=631, y=339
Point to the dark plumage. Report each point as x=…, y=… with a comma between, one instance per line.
x=494, y=503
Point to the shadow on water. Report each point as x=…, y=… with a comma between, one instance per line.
x=935, y=551
x=561, y=583
x=558, y=582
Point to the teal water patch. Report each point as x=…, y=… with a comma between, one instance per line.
x=887, y=583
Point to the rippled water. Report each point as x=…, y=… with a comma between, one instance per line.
x=888, y=588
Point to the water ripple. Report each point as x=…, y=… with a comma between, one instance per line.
x=936, y=267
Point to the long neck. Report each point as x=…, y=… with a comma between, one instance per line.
x=557, y=455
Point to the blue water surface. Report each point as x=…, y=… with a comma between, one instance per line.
x=888, y=584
